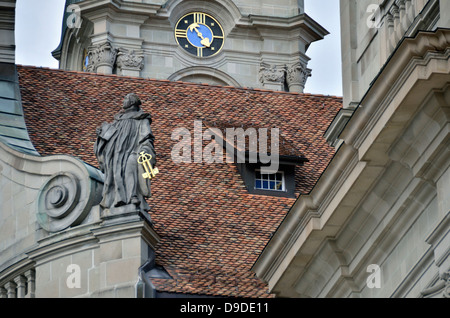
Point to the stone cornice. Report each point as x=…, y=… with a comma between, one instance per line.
x=119, y=5
x=301, y=24
x=411, y=53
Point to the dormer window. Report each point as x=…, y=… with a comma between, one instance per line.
x=273, y=182
x=251, y=148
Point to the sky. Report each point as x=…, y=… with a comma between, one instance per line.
x=38, y=32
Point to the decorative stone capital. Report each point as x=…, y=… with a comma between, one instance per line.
x=296, y=77
x=272, y=73
x=130, y=62
x=101, y=58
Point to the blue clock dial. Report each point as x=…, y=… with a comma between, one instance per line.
x=199, y=34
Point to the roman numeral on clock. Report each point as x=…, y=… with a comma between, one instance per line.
x=181, y=33
x=199, y=18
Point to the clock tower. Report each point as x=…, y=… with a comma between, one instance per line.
x=258, y=44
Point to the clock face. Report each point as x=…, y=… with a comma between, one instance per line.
x=199, y=34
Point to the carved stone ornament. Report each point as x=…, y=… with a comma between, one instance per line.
x=130, y=60
x=272, y=73
x=297, y=75
x=101, y=55
x=63, y=202
x=442, y=285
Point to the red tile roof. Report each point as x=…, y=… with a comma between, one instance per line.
x=212, y=230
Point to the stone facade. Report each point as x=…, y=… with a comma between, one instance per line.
x=257, y=33
x=376, y=224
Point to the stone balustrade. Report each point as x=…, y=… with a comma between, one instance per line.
x=402, y=18
x=21, y=286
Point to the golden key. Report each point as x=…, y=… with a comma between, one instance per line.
x=144, y=160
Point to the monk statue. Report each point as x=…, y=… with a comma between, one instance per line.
x=117, y=148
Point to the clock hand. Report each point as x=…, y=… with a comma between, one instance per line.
x=204, y=41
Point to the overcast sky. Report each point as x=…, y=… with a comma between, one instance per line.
x=38, y=32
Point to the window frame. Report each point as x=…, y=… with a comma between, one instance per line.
x=283, y=181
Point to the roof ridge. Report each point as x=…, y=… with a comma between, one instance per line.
x=179, y=82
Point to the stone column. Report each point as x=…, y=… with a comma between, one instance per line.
x=390, y=33
x=11, y=289
x=395, y=12
x=297, y=74
x=21, y=287
x=102, y=58
x=31, y=285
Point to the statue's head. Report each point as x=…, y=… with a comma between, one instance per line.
x=131, y=101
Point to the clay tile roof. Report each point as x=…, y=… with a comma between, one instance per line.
x=212, y=230
x=285, y=147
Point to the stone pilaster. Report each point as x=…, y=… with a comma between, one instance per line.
x=273, y=76
x=129, y=62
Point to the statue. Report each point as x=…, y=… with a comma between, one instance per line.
x=118, y=148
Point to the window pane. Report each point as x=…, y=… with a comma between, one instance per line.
x=273, y=182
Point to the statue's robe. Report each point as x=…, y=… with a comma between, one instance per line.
x=117, y=150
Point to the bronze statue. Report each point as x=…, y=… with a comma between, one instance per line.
x=118, y=147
